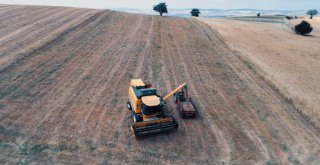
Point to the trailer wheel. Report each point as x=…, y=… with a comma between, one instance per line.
x=194, y=105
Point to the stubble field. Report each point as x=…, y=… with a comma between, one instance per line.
x=64, y=76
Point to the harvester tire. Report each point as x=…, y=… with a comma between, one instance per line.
x=137, y=118
x=182, y=115
x=175, y=122
x=129, y=105
x=134, y=130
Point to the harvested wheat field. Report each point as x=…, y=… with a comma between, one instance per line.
x=64, y=76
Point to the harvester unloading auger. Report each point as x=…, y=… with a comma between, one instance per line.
x=148, y=108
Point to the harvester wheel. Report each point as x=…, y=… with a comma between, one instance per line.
x=137, y=118
x=176, y=125
x=129, y=105
x=134, y=130
x=182, y=115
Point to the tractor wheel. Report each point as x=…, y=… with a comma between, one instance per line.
x=129, y=105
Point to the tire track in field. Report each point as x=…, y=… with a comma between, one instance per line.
x=188, y=68
x=190, y=125
x=146, y=49
x=255, y=124
x=288, y=117
x=184, y=126
x=202, y=71
x=231, y=106
x=275, y=152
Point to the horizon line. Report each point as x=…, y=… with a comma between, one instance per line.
x=168, y=8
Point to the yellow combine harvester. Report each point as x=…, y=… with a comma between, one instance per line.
x=148, y=108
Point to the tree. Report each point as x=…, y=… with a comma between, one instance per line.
x=288, y=17
x=195, y=12
x=312, y=12
x=161, y=8
x=303, y=28
x=258, y=14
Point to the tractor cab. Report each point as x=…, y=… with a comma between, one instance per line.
x=180, y=96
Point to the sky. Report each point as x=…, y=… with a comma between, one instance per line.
x=176, y=4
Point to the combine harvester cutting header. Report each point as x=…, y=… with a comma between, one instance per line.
x=148, y=108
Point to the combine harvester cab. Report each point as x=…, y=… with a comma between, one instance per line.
x=185, y=104
x=148, y=109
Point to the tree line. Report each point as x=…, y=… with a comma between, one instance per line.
x=303, y=28
x=161, y=8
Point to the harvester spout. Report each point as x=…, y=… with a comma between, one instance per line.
x=174, y=91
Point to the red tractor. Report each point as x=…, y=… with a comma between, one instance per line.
x=185, y=104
